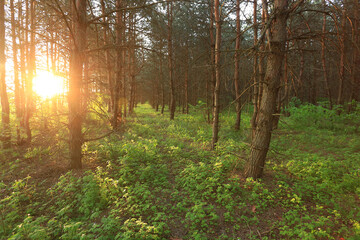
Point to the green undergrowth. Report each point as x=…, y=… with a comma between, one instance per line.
x=159, y=180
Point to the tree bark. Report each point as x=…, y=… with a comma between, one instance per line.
x=171, y=61
x=355, y=57
x=23, y=56
x=210, y=103
x=186, y=83
x=123, y=99
x=5, y=112
x=262, y=135
x=132, y=62
x=31, y=73
x=16, y=72
x=255, y=98
x=236, y=71
x=340, y=99
x=119, y=67
x=78, y=9
x=108, y=63
x=216, y=109
x=323, y=59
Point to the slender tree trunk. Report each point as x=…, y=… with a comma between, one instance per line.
x=323, y=59
x=31, y=73
x=186, y=85
x=301, y=74
x=313, y=90
x=161, y=78
x=5, y=109
x=123, y=54
x=255, y=74
x=23, y=56
x=109, y=65
x=171, y=61
x=216, y=109
x=78, y=8
x=262, y=135
x=355, y=57
x=119, y=67
x=132, y=66
x=212, y=59
x=340, y=99
x=207, y=101
x=16, y=72
x=236, y=71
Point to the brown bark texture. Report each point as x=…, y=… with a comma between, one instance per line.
x=76, y=81
x=236, y=71
x=262, y=134
x=216, y=109
x=171, y=61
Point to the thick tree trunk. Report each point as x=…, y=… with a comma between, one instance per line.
x=171, y=61
x=263, y=46
x=262, y=135
x=5, y=109
x=76, y=81
x=216, y=109
x=236, y=71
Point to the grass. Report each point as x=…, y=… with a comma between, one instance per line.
x=158, y=179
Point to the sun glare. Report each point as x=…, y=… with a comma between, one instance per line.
x=47, y=85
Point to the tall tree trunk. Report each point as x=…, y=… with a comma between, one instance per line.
x=340, y=99
x=109, y=66
x=31, y=73
x=255, y=98
x=123, y=55
x=171, y=61
x=16, y=72
x=186, y=85
x=161, y=79
x=236, y=71
x=323, y=59
x=263, y=45
x=132, y=62
x=212, y=59
x=301, y=74
x=78, y=9
x=119, y=67
x=23, y=56
x=216, y=109
x=262, y=135
x=5, y=109
x=355, y=56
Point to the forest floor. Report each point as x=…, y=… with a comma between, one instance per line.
x=158, y=179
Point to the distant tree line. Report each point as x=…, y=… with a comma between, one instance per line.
x=174, y=54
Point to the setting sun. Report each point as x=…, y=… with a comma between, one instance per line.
x=47, y=85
